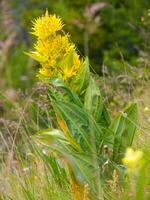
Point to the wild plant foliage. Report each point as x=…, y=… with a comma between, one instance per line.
x=90, y=143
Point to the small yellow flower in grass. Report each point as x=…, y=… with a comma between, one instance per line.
x=132, y=159
x=46, y=25
x=146, y=109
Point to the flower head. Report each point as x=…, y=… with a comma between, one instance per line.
x=70, y=65
x=67, y=68
x=55, y=53
x=51, y=50
x=132, y=159
x=46, y=25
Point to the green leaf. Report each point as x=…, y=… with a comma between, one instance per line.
x=105, y=117
x=48, y=136
x=124, y=126
x=93, y=100
x=53, y=139
x=81, y=126
x=67, y=93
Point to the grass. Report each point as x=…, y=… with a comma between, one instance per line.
x=34, y=182
x=27, y=173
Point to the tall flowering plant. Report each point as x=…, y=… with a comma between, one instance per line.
x=54, y=50
x=89, y=142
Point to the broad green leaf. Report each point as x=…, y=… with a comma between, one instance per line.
x=93, y=100
x=123, y=126
x=105, y=117
x=81, y=126
x=49, y=136
x=54, y=140
x=65, y=92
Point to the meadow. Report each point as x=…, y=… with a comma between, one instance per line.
x=74, y=100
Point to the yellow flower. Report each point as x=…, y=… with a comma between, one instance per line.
x=55, y=53
x=132, y=159
x=146, y=109
x=64, y=70
x=68, y=72
x=70, y=65
x=45, y=72
x=46, y=25
x=51, y=50
x=49, y=73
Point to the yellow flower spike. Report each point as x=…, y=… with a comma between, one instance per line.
x=55, y=53
x=46, y=25
x=132, y=159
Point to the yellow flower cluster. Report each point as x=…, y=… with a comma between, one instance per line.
x=132, y=159
x=46, y=25
x=53, y=50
